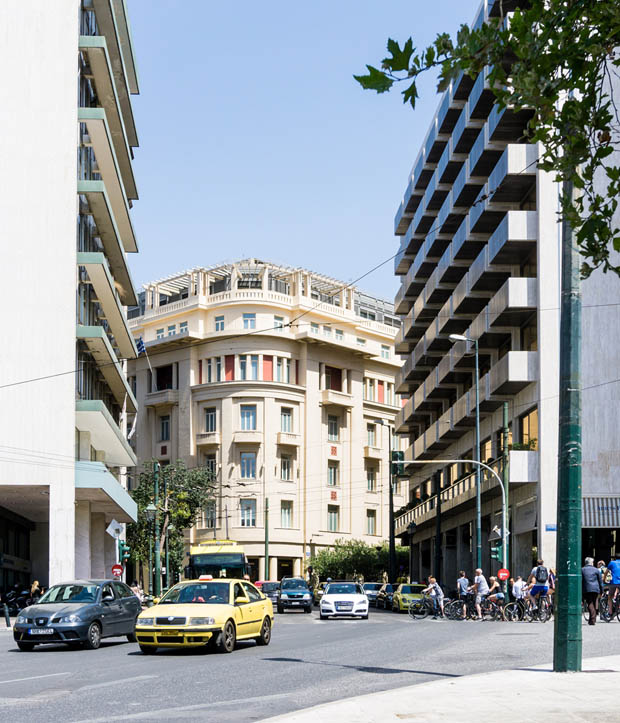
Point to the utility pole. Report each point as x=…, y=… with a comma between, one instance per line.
x=392, y=552
x=150, y=558
x=437, y=564
x=156, y=535
x=167, y=523
x=506, y=480
x=267, y=538
x=477, y=459
x=567, y=618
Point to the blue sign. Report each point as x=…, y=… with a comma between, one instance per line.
x=551, y=528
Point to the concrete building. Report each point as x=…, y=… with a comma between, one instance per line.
x=480, y=257
x=66, y=284
x=282, y=382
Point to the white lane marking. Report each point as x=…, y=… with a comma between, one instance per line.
x=33, y=677
x=122, y=681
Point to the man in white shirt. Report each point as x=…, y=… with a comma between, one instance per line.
x=519, y=588
x=481, y=589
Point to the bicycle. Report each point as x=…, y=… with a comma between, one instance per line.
x=422, y=607
x=522, y=609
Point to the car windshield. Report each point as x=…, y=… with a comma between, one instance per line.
x=294, y=585
x=210, y=593
x=70, y=594
x=411, y=589
x=342, y=588
x=388, y=588
x=372, y=586
x=269, y=586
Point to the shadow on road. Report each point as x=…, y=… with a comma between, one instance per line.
x=363, y=668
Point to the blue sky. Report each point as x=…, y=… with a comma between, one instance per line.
x=256, y=141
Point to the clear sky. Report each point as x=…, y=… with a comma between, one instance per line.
x=256, y=141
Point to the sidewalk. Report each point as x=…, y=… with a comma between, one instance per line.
x=513, y=696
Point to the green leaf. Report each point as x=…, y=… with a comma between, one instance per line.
x=400, y=58
x=410, y=94
x=375, y=80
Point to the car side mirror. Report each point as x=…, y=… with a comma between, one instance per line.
x=241, y=600
x=108, y=598
x=156, y=600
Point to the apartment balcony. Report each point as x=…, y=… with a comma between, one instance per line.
x=402, y=262
x=101, y=278
x=485, y=153
x=514, y=175
x=481, y=98
x=101, y=350
x=514, y=303
x=449, y=218
x=101, y=140
x=95, y=484
x=371, y=452
x=508, y=126
x=466, y=186
x=524, y=466
x=288, y=439
x=208, y=439
x=92, y=416
x=465, y=131
x=450, y=322
x=330, y=397
x=402, y=303
x=403, y=345
x=514, y=238
x=248, y=437
x=96, y=53
x=513, y=372
x=162, y=398
x=487, y=275
x=100, y=208
x=113, y=24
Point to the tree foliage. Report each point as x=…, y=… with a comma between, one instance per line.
x=183, y=493
x=350, y=558
x=555, y=59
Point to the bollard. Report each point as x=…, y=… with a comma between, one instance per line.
x=7, y=617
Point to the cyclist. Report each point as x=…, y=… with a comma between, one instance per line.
x=480, y=588
x=613, y=569
x=436, y=594
x=495, y=591
x=539, y=579
x=461, y=587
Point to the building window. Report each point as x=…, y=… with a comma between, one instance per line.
x=182, y=327
x=371, y=479
x=371, y=430
x=172, y=330
x=286, y=419
x=248, y=513
x=164, y=428
x=360, y=342
x=219, y=323
x=160, y=333
x=243, y=366
x=486, y=450
x=332, y=428
x=333, y=378
x=389, y=394
x=385, y=351
x=248, y=465
x=333, y=518
x=339, y=335
x=371, y=522
x=368, y=314
x=528, y=429
x=333, y=473
x=369, y=389
x=210, y=420
x=248, y=417
x=286, y=513
x=249, y=321
x=211, y=465
x=209, y=371
x=314, y=328
x=218, y=368
x=278, y=323
x=327, y=330
x=283, y=370
x=286, y=468
x=254, y=366
x=209, y=515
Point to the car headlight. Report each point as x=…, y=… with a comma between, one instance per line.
x=69, y=619
x=307, y=596
x=283, y=595
x=202, y=621
x=22, y=619
x=145, y=621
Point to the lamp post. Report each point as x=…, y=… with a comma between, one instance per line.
x=392, y=544
x=157, y=551
x=461, y=337
x=150, y=511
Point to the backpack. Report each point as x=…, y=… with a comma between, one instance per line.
x=542, y=574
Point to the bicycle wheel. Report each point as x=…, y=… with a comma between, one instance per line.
x=603, y=610
x=513, y=612
x=543, y=613
x=418, y=609
x=489, y=610
x=454, y=611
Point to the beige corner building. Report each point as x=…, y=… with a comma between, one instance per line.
x=281, y=381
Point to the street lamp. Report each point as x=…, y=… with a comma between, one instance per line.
x=461, y=337
x=150, y=511
x=392, y=543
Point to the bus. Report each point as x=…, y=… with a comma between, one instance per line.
x=219, y=558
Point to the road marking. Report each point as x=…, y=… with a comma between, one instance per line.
x=122, y=681
x=33, y=677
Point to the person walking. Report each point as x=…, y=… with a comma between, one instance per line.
x=592, y=586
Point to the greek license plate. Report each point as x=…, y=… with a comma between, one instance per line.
x=41, y=631
x=296, y=603
x=169, y=632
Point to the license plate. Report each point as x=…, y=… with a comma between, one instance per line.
x=344, y=607
x=41, y=631
x=296, y=603
x=169, y=632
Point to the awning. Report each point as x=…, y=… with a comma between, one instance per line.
x=601, y=511
x=95, y=484
x=92, y=416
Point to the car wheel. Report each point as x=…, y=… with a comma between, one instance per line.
x=265, y=633
x=148, y=649
x=322, y=617
x=25, y=647
x=227, y=638
x=93, y=637
x=308, y=609
x=364, y=617
x=131, y=637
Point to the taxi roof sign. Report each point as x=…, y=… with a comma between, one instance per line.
x=206, y=577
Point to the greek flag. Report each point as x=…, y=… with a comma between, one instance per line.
x=140, y=347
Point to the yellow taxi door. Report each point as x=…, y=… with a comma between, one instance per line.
x=243, y=617
x=256, y=608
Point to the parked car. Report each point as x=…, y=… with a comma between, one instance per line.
x=344, y=599
x=270, y=589
x=404, y=595
x=372, y=590
x=384, y=596
x=294, y=593
x=82, y=612
x=318, y=592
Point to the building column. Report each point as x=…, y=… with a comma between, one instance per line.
x=62, y=530
x=82, y=540
x=273, y=568
x=97, y=545
x=261, y=568
x=297, y=567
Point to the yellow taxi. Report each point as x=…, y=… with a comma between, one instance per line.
x=405, y=594
x=206, y=612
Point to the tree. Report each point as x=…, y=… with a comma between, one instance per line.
x=555, y=59
x=183, y=493
x=349, y=558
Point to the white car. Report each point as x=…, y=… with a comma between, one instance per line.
x=344, y=599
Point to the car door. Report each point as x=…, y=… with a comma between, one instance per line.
x=112, y=611
x=242, y=612
x=130, y=607
x=256, y=609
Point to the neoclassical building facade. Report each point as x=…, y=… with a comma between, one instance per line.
x=281, y=381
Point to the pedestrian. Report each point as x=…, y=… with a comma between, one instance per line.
x=613, y=570
x=495, y=591
x=519, y=588
x=5, y=609
x=592, y=586
x=480, y=588
x=462, y=584
x=436, y=593
x=35, y=592
x=539, y=580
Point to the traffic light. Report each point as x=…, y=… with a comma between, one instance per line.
x=496, y=550
x=124, y=551
x=398, y=463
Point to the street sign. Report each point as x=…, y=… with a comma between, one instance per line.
x=503, y=574
x=117, y=570
x=114, y=529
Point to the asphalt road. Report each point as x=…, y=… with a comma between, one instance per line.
x=308, y=662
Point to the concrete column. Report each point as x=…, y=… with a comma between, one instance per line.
x=39, y=553
x=297, y=566
x=273, y=568
x=345, y=381
x=62, y=529
x=82, y=540
x=97, y=544
x=261, y=568
x=84, y=450
x=321, y=375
